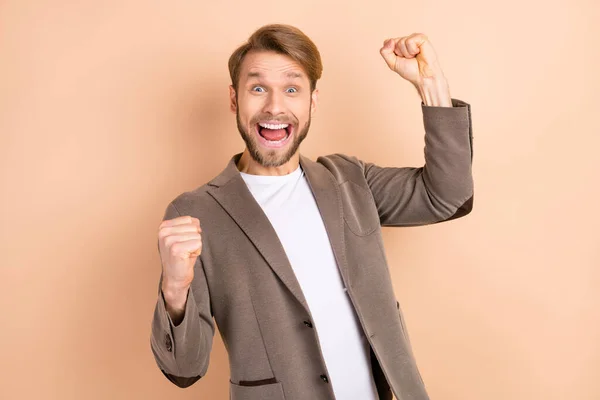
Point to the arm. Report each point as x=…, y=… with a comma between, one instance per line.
x=440, y=190
x=443, y=188
x=182, y=347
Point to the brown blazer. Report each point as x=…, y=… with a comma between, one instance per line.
x=244, y=281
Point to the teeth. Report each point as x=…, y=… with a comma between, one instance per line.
x=276, y=141
x=274, y=126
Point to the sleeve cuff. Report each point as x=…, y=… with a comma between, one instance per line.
x=180, y=332
x=450, y=123
x=190, y=310
x=455, y=103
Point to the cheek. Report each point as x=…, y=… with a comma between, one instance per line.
x=248, y=108
x=300, y=109
x=305, y=115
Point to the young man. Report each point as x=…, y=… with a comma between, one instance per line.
x=286, y=254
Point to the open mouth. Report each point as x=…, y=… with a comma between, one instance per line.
x=274, y=134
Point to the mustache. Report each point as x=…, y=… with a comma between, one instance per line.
x=268, y=117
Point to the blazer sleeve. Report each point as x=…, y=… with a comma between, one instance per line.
x=440, y=190
x=182, y=352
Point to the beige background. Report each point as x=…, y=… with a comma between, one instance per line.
x=109, y=109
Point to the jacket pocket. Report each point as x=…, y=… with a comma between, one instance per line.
x=255, y=390
x=360, y=212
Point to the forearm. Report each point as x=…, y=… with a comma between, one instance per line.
x=175, y=300
x=182, y=330
x=447, y=174
x=435, y=92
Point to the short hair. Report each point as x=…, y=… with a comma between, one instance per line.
x=281, y=39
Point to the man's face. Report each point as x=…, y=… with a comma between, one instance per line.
x=273, y=106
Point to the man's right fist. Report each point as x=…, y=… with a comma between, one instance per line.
x=180, y=244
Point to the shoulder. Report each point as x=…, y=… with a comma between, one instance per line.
x=340, y=160
x=196, y=203
x=192, y=199
x=343, y=167
x=199, y=200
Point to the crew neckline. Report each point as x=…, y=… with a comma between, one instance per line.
x=272, y=178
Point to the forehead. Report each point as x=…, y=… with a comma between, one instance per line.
x=270, y=65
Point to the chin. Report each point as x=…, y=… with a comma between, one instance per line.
x=273, y=153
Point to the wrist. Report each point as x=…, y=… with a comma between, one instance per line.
x=434, y=91
x=175, y=294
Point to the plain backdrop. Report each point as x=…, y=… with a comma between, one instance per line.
x=110, y=109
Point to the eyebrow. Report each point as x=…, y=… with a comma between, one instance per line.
x=290, y=74
x=294, y=74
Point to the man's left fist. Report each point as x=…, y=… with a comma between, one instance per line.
x=412, y=57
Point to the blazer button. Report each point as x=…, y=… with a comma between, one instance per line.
x=324, y=378
x=168, y=343
x=307, y=323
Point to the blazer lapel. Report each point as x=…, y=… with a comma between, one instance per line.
x=329, y=201
x=231, y=192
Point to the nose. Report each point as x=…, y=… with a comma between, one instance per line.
x=274, y=104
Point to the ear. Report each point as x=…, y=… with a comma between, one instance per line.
x=314, y=97
x=232, y=99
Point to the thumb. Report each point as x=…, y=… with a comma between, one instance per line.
x=195, y=253
x=387, y=52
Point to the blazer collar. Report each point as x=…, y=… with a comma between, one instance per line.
x=231, y=192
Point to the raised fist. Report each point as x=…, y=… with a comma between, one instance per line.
x=180, y=244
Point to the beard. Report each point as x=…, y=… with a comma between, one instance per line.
x=271, y=157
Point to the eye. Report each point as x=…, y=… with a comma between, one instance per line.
x=258, y=89
x=291, y=90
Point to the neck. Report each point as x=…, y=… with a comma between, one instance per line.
x=248, y=165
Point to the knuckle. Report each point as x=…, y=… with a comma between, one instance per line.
x=163, y=233
x=169, y=241
x=175, y=248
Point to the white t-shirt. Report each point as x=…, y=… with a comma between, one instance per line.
x=290, y=206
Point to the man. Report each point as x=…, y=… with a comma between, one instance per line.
x=286, y=254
